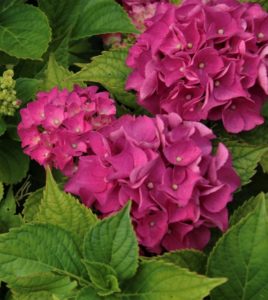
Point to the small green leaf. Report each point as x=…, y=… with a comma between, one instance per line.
x=27, y=88
x=88, y=293
x=18, y=36
x=103, y=277
x=37, y=248
x=8, y=217
x=247, y=208
x=193, y=260
x=1, y=191
x=3, y=126
x=31, y=205
x=64, y=210
x=245, y=158
x=57, y=75
x=113, y=242
x=110, y=70
x=13, y=163
x=101, y=16
x=158, y=280
x=241, y=255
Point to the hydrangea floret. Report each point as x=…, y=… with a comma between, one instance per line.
x=8, y=99
x=178, y=187
x=208, y=62
x=54, y=128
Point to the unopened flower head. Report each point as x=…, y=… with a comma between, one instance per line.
x=8, y=99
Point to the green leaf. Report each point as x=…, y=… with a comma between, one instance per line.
x=88, y=293
x=43, y=295
x=101, y=16
x=57, y=75
x=62, y=14
x=24, y=31
x=13, y=163
x=8, y=217
x=64, y=210
x=103, y=277
x=5, y=4
x=27, y=88
x=193, y=260
x=39, y=248
x=110, y=70
x=31, y=205
x=34, y=284
x=3, y=126
x=158, y=280
x=247, y=208
x=113, y=242
x=245, y=158
x=241, y=255
x=1, y=191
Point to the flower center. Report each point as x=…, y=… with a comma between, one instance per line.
x=201, y=65
x=178, y=46
x=233, y=107
x=217, y=83
x=221, y=31
x=260, y=35
x=56, y=122
x=175, y=186
x=178, y=159
x=74, y=146
x=150, y=185
x=181, y=69
x=190, y=45
x=152, y=223
x=188, y=97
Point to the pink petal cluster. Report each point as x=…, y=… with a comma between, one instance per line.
x=204, y=60
x=54, y=128
x=165, y=166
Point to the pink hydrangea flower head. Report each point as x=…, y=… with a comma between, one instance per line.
x=54, y=128
x=202, y=59
x=165, y=166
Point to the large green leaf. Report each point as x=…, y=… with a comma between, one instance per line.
x=8, y=217
x=110, y=70
x=101, y=16
x=113, y=242
x=245, y=158
x=193, y=260
x=24, y=31
x=31, y=286
x=241, y=255
x=64, y=210
x=103, y=278
x=158, y=280
x=13, y=163
x=62, y=14
x=39, y=248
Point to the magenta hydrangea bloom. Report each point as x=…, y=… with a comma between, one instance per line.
x=54, y=128
x=178, y=188
x=204, y=60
